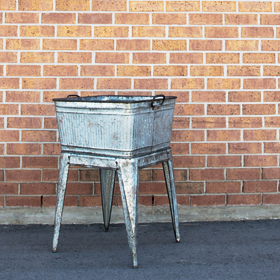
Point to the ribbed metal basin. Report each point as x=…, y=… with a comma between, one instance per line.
x=122, y=126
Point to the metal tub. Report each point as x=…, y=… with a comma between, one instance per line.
x=121, y=126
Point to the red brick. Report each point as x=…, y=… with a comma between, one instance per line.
x=96, y=44
x=244, y=148
x=270, y=45
x=242, y=45
x=90, y=201
x=259, y=161
x=38, y=136
x=208, y=96
x=169, y=18
x=223, y=187
x=186, y=31
x=9, y=162
x=182, y=6
x=272, y=147
x=221, y=32
x=206, y=174
x=37, y=188
x=24, y=201
x=187, y=135
x=23, y=175
x=26, y=70
x=59, y=44
x=208, y=148
x=193, y=109
x=189, y=161
x=37, y=57
x=152, y=188
x=35, y=5
x=132, y=18
x=180, y=148
x=89, y=175
x=111, y=31
x=79, y=188
x=112, y=57
x=208, y=200
x=206, y=45
x=60, y=70
x=270, y=19
x=97, y=70
x=23, y=96
x=218, y=6
x=8, y=188
x=76, y=83
x=8, y=109
x=225, y=58
x=133, y=45
x=74, y=31
x=72, y=5
x=259, y=58
x=241, y=19
x=206, y=122
x=192, y=83
x=243, y=174
x=258, y=109
x=257, y=32
x=149, y=58
x=223, y=135
x=8, y=31
x=150, y=83
x=50, y=123
x=272, y=121
x=206, y=19
x=24, y=122
x=52, y=175
x=8, y=57
x=50, y=201
x=9, y=83
x=259, y=135
x=21, y=18
x=109, y=5
x=37, y=31
x=259, y=186
x=255, y=6
x=38, y=110
x=23, y=149
x=148, y=31
x=74, y=57
x=59, y=18
x=271, y=198
x=8, y=5
x=146, y=6
x=113, y=83
x=271, y=173
x=9, y=135
x=244, y=96
x=51, y=149
x=181, y=122
x=214, y=109
x=39, y=162
x=38, y=83
x=245, y=122
x=95, y=18
x=243, y=71
x=182, y=96
x=49, y=95
x=247, y=199
x=271, y=71
x=186, y=58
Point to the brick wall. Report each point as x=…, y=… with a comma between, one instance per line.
x=220, y=58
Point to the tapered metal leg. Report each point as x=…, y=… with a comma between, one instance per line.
x=128, y=180
x=63, y=173
x=170, y=185
x=107, y=179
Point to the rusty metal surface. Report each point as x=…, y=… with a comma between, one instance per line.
x=122, y=126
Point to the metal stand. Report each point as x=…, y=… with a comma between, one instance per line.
x=128, y=174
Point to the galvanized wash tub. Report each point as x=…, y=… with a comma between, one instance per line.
x=121, y=126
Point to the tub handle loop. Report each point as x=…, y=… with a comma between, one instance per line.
x=73, y=95
x=159, y=97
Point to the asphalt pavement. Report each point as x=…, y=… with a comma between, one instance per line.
x=208, y=250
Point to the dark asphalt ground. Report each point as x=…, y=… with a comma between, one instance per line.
x=208, y=250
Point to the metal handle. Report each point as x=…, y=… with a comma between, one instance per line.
x=155, y=99
x=73, y=95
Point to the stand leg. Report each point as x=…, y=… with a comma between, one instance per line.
x=63, y=173
x=128, y=180
x=107, y=179
x=170, y=185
